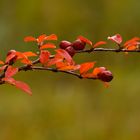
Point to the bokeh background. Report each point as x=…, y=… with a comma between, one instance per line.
x=64, y=107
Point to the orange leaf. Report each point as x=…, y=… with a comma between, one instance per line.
x=86, y=66
x=132, y=41
x=48, y=45
x=131, y=47
x=23, y=86
x=24, y=58
x=99, y=43
x=1, y=62
x=10, y=56
x=26, y=61
x=41, y=38
x=44, y=57
x=53, y=61
x=88, y=75
x=65, y=55
x=97, y=70
x=29, y=39
x=70, y=67
x=29, y=54
x=85, y=40
x=19, y=84
x=51, y=37
x=116, y=38
x=11, y=71
x=60, y=65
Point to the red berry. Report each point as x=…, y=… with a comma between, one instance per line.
x=78, y=44
x=105, y=76
x=71, y=51
x=64, y=44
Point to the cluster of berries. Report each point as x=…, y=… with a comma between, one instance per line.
x=71, y=48
x=104, y=74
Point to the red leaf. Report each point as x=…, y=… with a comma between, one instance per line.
x=99, y=43
x=116, y=38
x=41, y=38
x=88, y=75
x=86, y=66
x=70, y=67
x=97, y=70
x=9, y=80
x=11, y=71
x=29, y=39
x=64, y=54
x=44, y=57
x=1, y=62
x=51, y=37
x=131, y=47
x=85, y=40
x=29, y=54
x=60, y=65
x=132, y=41
x=3, y=68
x=24, y=58
x=48, y=45
x=26, y=61
x=10, y=56
x=19, y=84
x=53, y=61
x=23, y=86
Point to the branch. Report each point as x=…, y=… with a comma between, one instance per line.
x=106, y=50
x=62, y=59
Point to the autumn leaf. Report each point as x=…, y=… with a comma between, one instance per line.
x=23, y=86
x=19, y=84
x=86, y=66
x=132, y=41
x=24, y=58
x=48, y=45
x=53, y=61
x=85, y=40
x=116, y=38
x=12, y=54
x=99, y=43
x=41, y=38
x=131, y=48
x=11, y=71
x=89, y=75
x=29, y=39
x=29, y=54
x=51, y=37
x=65, y=55
x=70, y=67
x=44, y=56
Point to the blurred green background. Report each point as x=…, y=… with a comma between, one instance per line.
x=64, y=107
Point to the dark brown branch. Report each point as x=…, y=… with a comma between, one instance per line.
x=106, y=50
x=53, y=70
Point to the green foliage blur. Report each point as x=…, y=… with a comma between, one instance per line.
x=64, y=107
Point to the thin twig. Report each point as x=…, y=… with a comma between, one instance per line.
x=107, y=50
